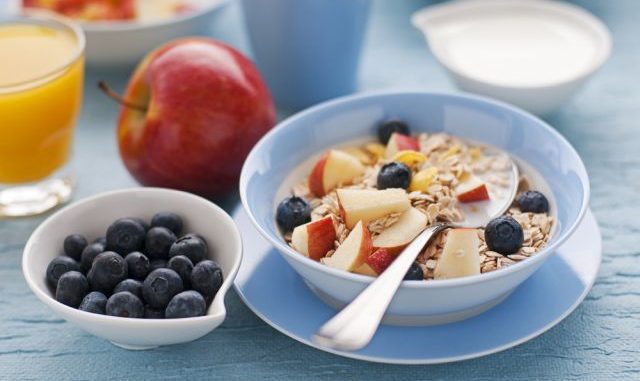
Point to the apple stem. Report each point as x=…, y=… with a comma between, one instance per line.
x=118, y=98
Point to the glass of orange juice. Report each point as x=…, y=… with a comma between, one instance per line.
x=41, y=80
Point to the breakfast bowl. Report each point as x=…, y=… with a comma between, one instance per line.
x=275, y=164
x=91, y=216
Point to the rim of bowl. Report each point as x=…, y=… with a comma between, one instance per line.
x=555, y=7
x=440, y=283
x=221, y=215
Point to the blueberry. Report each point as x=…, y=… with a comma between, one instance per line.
x=504, y=235
x=387, y=128
x=142, y=223
x=183, y=266
x=107, y=271
x=125, y=304
x=153, y=313
x=158, y=242
x=414, y=273
x=59, y=266
x=206, y=278
x=101, y=240
x=138, y=265
x=168, y=220
x=72, y=287
x=186, y=304
x=73, y=246
x=125, y=235
x=191, y=246
x=95, y=302
x=293, y=211
x=89, y=254
x=131, y=285
x=157, y=264
x=394, y=175
x=533, y=202
x=160, y=286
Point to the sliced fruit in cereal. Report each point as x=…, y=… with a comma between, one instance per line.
x=423, y=179
x=332, y=169
x=399, y=142
x=472, y=190
x=353, y=252
x=375, y=149
x=453, y=150
x=314, y=239
x=360, y=154
x=460, y=255
x=367, y=205
x=397, y=236
x=475, y=153
x=410, y=158
x=376, y=263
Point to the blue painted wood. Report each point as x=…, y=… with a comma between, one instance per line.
x=599, y=341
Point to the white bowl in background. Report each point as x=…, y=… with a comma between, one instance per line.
x=92, y=216
x=533, y=53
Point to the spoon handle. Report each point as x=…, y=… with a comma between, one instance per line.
x=353, y=327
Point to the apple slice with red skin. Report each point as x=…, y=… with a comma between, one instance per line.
x=460, y=255
x=398, y=142
x=472, y=190
x=397, y=236
x=314, y=239
x=367, y=205
x=332, y=169
x=353, y=251
x=376, y=263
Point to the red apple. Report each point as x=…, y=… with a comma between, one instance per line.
x=314, y=239
x=472, y=190
x=376, y=263
x=397, y=236
x=353, y=252
x=398, y=142
x=194, y=109
x=332, y=169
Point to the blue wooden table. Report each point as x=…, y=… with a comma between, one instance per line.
x=599, y=341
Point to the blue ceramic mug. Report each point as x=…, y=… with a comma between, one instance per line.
x=307, y=50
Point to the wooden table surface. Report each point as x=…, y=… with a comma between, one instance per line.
x=599, y=341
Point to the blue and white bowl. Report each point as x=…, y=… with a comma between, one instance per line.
x=314, y=130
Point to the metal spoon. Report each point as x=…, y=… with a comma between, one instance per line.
x=354, y=327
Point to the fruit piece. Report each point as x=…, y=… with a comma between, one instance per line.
x=58, y=266
x=125, y=304
x=453, y=150
x=89, y=254
x=504, y=235
x=375, y=149
x=72, y=288
x=410, y=158
x=73, y=246
x=359, y=154
x=183, y=266
x=206, y=278
x=475, y=153
x=314, y=239
x=186, y=304
x=394, y=175
x=125, y=235
x=399, y=142
x=460, y=255
x=158, y=242
x=353, y=252
x=397, y=236
x=387, y=128
x=131, y=285
x=153, y=313
x=376, y=263
x=533, y=202
x=332, y=169
x=414, y=273
x=138, y=265
x=368, y=204
x=423, y=179
x=95, y=302
x=291, y=212
x=157, y=264
x=168, y=220
x=107, y=271
x=472, y=190
x=160, y=286
x=191, y=246
x=202, y=106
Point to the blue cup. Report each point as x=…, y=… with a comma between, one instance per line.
x=307, y=50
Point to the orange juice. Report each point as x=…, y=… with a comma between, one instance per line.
x=41, y=76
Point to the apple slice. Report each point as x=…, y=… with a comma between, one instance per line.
x=334, y=168
x=398, y=142
x=315, y=238
x=353, y=252
x=460, y=255
x=397, y=236
x=368, y=204
x=360, y=154
x=472, y=190
x=376, y=263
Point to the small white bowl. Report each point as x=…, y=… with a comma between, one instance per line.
x=532, y=53
x=92, y=216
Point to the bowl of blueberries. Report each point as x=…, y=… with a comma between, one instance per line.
x=141, y=267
